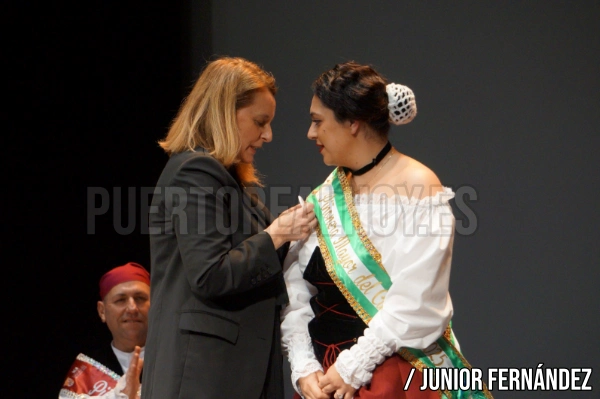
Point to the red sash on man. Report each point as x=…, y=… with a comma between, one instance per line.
x=87, y=376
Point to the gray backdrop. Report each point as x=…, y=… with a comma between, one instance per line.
x=507, y=96
x=508, y=100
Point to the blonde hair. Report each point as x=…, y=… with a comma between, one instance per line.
x=207, y=117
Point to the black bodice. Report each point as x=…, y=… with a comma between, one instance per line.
x=336, y=326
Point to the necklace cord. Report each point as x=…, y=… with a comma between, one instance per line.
x=373, y=163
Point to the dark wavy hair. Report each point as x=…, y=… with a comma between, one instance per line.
x=355, y=92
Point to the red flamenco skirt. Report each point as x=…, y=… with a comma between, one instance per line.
x=388, y=382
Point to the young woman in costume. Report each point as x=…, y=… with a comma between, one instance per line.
x=368, y=290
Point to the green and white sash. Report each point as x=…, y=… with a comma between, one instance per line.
x=355, y=266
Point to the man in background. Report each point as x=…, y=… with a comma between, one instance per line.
x=112, y=370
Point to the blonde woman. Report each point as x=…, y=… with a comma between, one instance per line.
x=217, y=284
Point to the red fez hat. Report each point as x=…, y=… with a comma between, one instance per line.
x=128, y=272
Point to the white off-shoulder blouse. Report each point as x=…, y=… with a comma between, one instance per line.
x=414, y=237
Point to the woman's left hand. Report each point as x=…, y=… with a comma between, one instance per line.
x=332, y=382
x=296, y=223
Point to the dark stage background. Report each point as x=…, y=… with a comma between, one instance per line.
x=508, y=110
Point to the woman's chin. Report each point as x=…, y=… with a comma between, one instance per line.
x=244, y=158
x=328, y=162
x=248, y=155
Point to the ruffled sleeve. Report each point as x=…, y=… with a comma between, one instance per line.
x=296, y=316
x=415, y=240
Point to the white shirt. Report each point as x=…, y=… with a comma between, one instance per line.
x=414, y=237
x=124, y=358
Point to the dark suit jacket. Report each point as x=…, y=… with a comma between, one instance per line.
x=216, y=283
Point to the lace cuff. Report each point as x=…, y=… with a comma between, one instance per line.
x=355, y=365
x=308, y=369
x=302, y=358
x=118, y=391
x=121, y=384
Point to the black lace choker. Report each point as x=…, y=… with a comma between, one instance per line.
x=372, y=164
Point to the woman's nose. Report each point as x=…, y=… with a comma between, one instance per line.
x=267, y=134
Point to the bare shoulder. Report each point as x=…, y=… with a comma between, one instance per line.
x=419, y=180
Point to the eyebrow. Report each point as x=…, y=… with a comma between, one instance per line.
x=262, y=116
x=124, y=294
x=312, y=114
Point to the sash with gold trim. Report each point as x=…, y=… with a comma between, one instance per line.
x=355, y=266
x=88, y=377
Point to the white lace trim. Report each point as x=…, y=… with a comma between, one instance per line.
x=119, y=388
x=312, y=368
x=439, y=198
x=355, y=365
x=302, y=358
x=116, y=393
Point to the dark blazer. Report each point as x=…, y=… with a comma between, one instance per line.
x=216, y=287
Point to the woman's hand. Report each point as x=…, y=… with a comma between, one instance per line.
x=296, y=223
x=309, y=386
x=132, y=378
x=332, y=382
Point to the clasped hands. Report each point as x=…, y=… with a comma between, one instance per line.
x=295, y=223
x=325, y=386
